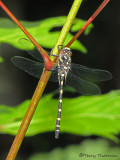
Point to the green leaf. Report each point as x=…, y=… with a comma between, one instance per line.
x=1, y=60
x=90, y=149
x=85, y=115
x=41, y=31
x=78, y=24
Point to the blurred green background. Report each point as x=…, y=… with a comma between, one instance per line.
x=103, y=52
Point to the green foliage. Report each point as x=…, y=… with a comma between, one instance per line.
x=1, y=60
x=98, y=149
x=85, y=115
x=41, y=31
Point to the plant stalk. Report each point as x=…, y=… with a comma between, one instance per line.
x=39, y=48
x=43, y=80
x=104, y=3
x=67, y=25
x=28, y=116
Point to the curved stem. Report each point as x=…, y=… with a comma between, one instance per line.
x=44, y=78
x=45, y=56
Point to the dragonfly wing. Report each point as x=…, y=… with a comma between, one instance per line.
x=81, y=85
x=90, y=74
x=30, y=48
x=54, y=74
x=29, y=66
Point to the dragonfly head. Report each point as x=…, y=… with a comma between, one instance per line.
x=67, y=51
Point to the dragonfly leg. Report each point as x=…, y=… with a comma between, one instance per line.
x=59, y=47
x=58, y=50
x=54, y=55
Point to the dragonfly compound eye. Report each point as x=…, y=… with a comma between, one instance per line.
x=66, y=50
x=69, y=53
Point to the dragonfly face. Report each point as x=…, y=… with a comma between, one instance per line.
x=66, y=50
x=65, y=55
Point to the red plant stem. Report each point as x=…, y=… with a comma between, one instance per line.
x=47, y=61
x=37, y=94
x=28, y=116
x=42, y=83
x=88, y=22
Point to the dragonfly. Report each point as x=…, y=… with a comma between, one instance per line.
x=80, y=77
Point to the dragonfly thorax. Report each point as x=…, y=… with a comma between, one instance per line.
x=64, y=62
x=65, y=57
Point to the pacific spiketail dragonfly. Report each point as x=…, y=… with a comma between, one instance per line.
x=78, y=76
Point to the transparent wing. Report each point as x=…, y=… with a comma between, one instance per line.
x=34, y=68
x=29, y=66
x=81, y=85
x=54, y=74
x=94, y=75
x=30, y=48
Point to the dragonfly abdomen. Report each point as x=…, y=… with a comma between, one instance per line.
x=64, y=64
x=57, y=130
